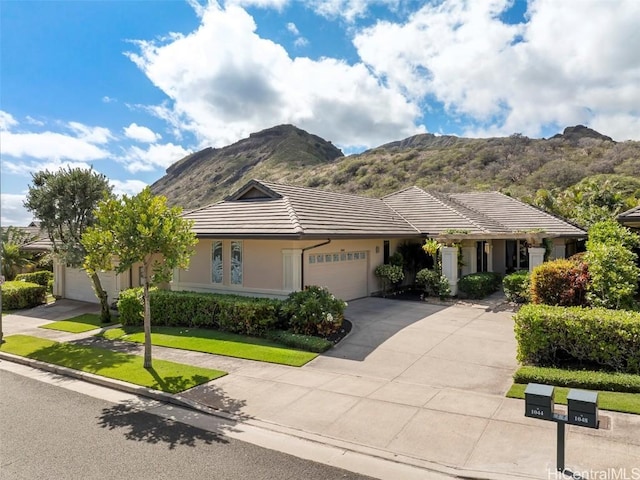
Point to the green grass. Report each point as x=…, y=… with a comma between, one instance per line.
x=216, y=342
x=79, y=324
x=613, y=401
x=165, y=376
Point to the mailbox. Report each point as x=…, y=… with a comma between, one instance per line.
x=582, y=407
x=539, y=401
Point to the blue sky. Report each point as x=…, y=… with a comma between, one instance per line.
x=130, y=87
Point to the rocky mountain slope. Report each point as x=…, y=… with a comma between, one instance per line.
x=515, y=165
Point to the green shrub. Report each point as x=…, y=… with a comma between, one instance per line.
x=41, y=278
x=314, y=311
x=433, y=283
x=131, y=307
x=479, y=285
x=587, y=379
x=20, y=294
x=557, y=336
x=560, y=282
x=389, y=275
x=517, y=286
x=307, y=343
x=232, y=313
x=612, y=266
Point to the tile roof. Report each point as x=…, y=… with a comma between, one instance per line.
x=481, y=213
x=270, y=210
x=266, y=209
x=631, y=214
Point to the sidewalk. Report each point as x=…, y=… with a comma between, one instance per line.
x=421, y=384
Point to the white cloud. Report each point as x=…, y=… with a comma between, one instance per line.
x=276, y=4
x=155, y=156
x=13, y=211
x=7, y=121
x=349, y=10
x=107, y=99
x=141, y=133
x=127, y=187
x=99, y=135
x=50, y=146
x=226, y=82
x=293, y=29
x=564, y=66
x=34, y=121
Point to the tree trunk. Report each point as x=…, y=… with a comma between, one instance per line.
x=147, y=325
x=105, y=313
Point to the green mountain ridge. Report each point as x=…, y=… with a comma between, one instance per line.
x=515, y=165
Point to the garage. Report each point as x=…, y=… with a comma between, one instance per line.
x=343, y=273
x=78, y=285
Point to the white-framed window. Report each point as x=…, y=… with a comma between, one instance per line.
x=236, y=262
x=217, y=267
x=337, y=257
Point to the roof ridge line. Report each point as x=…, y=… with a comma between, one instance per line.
x=400, y=215
x=459, y=212
x=483, y=215
x=297, y=227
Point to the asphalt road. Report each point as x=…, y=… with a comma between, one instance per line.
x=47, y=432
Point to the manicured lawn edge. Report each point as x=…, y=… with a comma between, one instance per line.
x=82, y=323
x=165, y=376
x=216, y=342
x=612, y=401
x=585, y=379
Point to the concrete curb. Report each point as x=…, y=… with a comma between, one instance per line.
x=342, y=445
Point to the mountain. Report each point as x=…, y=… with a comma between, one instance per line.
x=515, y=165
x=277, y=154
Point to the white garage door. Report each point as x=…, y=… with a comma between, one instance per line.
x=78, y=285
x=343, y=273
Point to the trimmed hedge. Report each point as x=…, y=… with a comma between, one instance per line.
x=517, y=286
x=433, y=283
x=587, y=379
x=20, y=294
x=556, y=336
x=560, y=282
x=479, y=285
x=231, y=313
x=42, y=277
x=301, y=342
x=314, y=311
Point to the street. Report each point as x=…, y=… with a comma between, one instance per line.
x=49, y=432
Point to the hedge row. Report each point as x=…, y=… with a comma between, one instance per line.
x=41, y=278
x=20, y=294
x=479, y=285
x=232, y=313
x=557, y=336
x=586, y=379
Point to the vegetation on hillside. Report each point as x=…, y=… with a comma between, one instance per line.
x=515, y=165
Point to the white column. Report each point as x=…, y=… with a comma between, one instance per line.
x=450, y=267
x=536, y=257
x=58, y=278
x=489, y=250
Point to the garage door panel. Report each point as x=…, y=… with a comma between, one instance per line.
x=78, y=285
x=343, y=273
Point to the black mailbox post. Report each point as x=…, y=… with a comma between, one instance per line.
x=539, y=401
x=583, y=408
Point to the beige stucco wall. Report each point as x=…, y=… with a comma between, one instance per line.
x=499, y=256
x=263, y=264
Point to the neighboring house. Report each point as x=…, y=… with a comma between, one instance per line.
x=270, y=239
x=631, y=218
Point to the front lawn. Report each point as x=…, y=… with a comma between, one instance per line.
x=216, y=342
x=79, y=324
x=165, y=376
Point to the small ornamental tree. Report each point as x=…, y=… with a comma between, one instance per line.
x=140, y=229
x=63, y=203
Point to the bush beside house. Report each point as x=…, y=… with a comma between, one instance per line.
x=20, y=294
x=479, y=285
x=517, y=286
x=43, y=277
x=312, y=311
